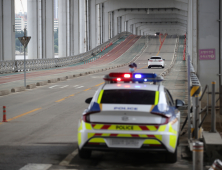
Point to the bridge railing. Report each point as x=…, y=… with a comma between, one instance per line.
x=38, y=64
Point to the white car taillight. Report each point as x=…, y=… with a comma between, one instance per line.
x=160, y=60
x=150, y=60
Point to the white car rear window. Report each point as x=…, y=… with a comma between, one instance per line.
x=155, y=57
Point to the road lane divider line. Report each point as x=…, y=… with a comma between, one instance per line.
x=68, y=159
x=99, y=84
x=87, y=89
x=16, y=117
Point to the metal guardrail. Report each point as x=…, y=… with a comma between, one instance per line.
x=39, y=64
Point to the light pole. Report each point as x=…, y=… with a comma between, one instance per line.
x=24, y=40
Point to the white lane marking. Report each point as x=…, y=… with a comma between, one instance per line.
x=68, y=159
x=79, y=87
x=53, y=86
x=36, y=167
x=75, y=85
x=64, y=86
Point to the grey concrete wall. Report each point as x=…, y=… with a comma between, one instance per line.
x=208, y=38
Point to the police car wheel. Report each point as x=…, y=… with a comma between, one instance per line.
x=162, y=66
x=171, y=157
x=149, y=67
x=84, y=154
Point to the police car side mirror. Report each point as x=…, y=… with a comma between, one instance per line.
x=164, y=59
x=88, y=100
x=179, y=103
x=148, y=59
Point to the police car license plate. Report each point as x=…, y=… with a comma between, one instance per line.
x=125, y=142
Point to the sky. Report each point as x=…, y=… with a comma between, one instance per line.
x=18, y=6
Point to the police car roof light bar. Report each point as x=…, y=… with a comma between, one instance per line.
x=140, y=77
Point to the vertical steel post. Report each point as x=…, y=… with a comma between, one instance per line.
x=213, y=113
x=196, y=117
x=24, y=60
x=198, y=155
x=188, y=83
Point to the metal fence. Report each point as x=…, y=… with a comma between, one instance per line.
x=39, y=64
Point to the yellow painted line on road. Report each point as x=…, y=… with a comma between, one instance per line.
x=99, y=84
x=87, y=89
x=16, y=117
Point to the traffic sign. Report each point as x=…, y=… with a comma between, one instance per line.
x=24, y=40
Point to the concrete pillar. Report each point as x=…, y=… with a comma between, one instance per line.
x=102, y=23
x=72, y=31
x=122, y=23
x=82, y=26
x=7, y=30
x=115, y=24
x=109, y=26
x=41, y=28
x=68, y=27
x=76, y=27
x=112, y=27
x=189, y=28
x=98, y=26
x=93, y=24
x=47, y=28
x=106, y=23
x=32, y=28
x=62, y=18
x=194, y=34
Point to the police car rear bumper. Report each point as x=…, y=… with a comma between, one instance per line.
x=144, y=148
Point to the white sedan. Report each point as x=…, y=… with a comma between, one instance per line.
x=156, y=61
x=128, y=114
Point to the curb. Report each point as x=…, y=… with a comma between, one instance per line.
x=61, y=79
x=18, y=89
x=41, y=83
x=31, y=86
x=4, y=92
x=52, y=80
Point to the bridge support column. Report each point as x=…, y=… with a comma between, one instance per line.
x=7, y=30
x=98, y=30
x=62, y=16
x=76, y=26
x=41, y=29
x=92, y=24
x=82, y=26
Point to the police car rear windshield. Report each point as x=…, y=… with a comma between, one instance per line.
x=155, y=57
x=128, y=97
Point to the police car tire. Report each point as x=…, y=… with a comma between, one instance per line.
x=149, y=67
x=162, y=66
x=84, y=154
x=171, y=157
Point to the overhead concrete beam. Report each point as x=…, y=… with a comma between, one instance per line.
x=154, y=16
x=118, y=4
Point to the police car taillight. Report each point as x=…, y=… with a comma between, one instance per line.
x=86, y=117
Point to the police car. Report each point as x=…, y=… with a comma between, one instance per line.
x=126, y=113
